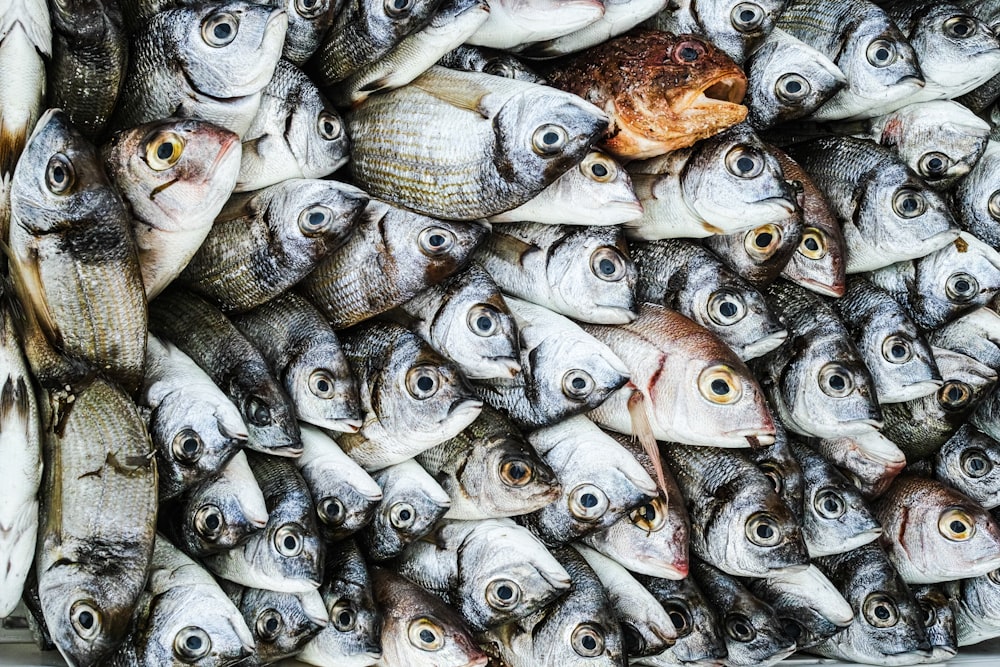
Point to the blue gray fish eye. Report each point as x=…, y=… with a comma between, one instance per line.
x=426, y=636
x=425, y=383
x=164, y=151
x=193, y=642
x=505, y=592
x=404, y=515
x=838, y=382
x=607, y=267
x=765, y=532
x=793, y=86
x=589, y=643
x=484, y=323
x=599, y=170
x=212, y=521
x=811, y=244
x=436, y=240
x=689, y=54
x=763, y=240
x=588, y=500
x=728, y=309
x=86, y=620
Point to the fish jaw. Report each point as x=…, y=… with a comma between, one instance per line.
x=764, y=345
x=912, y=391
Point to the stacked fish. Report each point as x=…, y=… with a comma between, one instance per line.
x=441, y=332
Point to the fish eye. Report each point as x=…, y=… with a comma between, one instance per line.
x=331, y=511
x=220, y=29
x=329, y=126
x=59, y=174
x=516, y=473
x=549, y=139
x=269, y=624
x=726, y=307
x=85, y=619
x=719, y=384
x=897, y=350
x=773, y=473
x=309, y=8
x=484, y=320
x=587, y=502
x=649, y=517
x=762, y=530
x=425, y=634
x=187, y=447
x=422, y=382
x=994, y=576
x=792, y=88
x=315, y=220
x=835, y=380
x=634, y=643
x=343, y=616
x=608, y=264
x=792, y=628
x=257, y=411
x=599, y=167
x=954, y=395
x=209, y=522
x=587, y=640
x=288, y=540
x=192, y=644
x=398, y=8
x=975, y=463
x=961, y=287
x=164, y=150
x=880, y=610
x=680, y=617
x=499, y=68
x=813, y=243
x=503, y=594
x=881, y=53
x=744, y=161
x=908, y=203
x=762, y=242
x=747, y=16
x=959, y=27
x=994, y=205
x=578, y=384
x=739, y=628
x=929, y=617
x=956, y=525
x=435, y=241
x=934, y=165
x=321, y=383
x=829, y=504
x=688, y=52
x=402, y=515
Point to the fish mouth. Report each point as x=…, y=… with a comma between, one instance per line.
x=724, y=90
x=762, y=346
x=826, y=289
x=914, y=391
x=509, y=364
x=478, y=662
x=740, y=437
x=617, y=314
x=342, y=424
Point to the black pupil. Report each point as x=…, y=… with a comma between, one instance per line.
x=599, y=170
x=962, y=285
x=954, y=393
x=517, y=471
x=747, y=15
x=935, y=163
x=345, y=618
x=425, y=383
x=793, y=86
x=689, y=54
x=837, y=382
x=86, y=620
x=579, y=383
x=741, y=629
x=589, y=643
x=404, y=515
x=792, y=629
x=957, y=526
x=484, y=323
x=811, y=244
x=400, y=4
x=763, y=240
x=261, y=414
x=426, y=636
x=212, y=521
x=505, y=592
x=728, y=309
x=898, y=351
x=436, y=240
x=720, y=387
x=607, y=267
x=977, y=465
x=290, y=542
x=765, y=532
x=327, y=127
x=550, y=138
x=744, y=164
x=830, y=505
x=222, y=30
x=647, y=512
x=271, y=625
x=164, y=151
x=316, y=219
x=882, y=54
x=190, y=446
x=961, y=28
x=882, y=612
x=193, y=642
x=309, y=3
x=58, y=174
x=588, y=500
x=323, y=385
x=677, y=619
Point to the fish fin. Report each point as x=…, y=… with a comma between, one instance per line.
x=27, y=285
x=12, y=141
x=467, y=96
x=511, y=249
x=643, y=430
x=375, y=86
x=14, y=403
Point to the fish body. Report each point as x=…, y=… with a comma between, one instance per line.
x=977, y=198
x=469, y=58
x=969, y=462
x=25, y=43
x=975, y=334
x=737, y=28
x=779, y=464
x=619, y=17
x=307, y=25
x=699, y=631
x=514, y=25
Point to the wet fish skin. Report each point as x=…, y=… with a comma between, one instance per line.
x=975, y=334
x=619, y=17
x=469, y=58
x=281, y=623
x=778, y=463
x=976, y=202
x=977, y=608
x=699, y=631
x=870, y=461
x=967, y=463
x=307, y=25
x=938, y=620
x=515, y=26
x=760, y=255
x=725, y=22
x=25, y=44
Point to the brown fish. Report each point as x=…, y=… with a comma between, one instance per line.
x=662, y=91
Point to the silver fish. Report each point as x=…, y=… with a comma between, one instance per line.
x=760, y=255
x=308, y=21
x=977, y=608
x=939, y=621
x=25, y=43
x=281, y=623
x=779, y=464
x=619, y=17
x=513, y=24
x=969, y=462
x=975, y=334
x=738, y=28
x=977, y=198
x=871, y=461
x=699, y=633
x=489, y=61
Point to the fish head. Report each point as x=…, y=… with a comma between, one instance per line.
x=385, y=24
x=938, y=618
x=955, y=47
x=602, y=190
x=322, y=387
x=431, y=249
x=308, y=21
x=837, y=516
x=506, y=476
x=593, y=275
x=345, y=506
x=753, y=633
x=738, y=314
x=782, y=469
x=970, y=463
x=940, y=140
x=977, y=196
x=819, y=263
x=309, y=218
x=808, y=607
x=316, y=136
x=289, y=547
x=955, y=279
x=878, y=61
x=282, y=622
x=412, y=504
x=738, y=28
x=699, y=632
x=224, y=510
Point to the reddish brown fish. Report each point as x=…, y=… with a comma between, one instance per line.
x=662, y=91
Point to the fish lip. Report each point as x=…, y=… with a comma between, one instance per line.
x=626, y=315
x=478, y=662
x=731, y=87
x=835, y=291
x=763, y=437
x=341, y=425
x=762, y=346
x=228, y=145
x=510, y=364
x=914, y=391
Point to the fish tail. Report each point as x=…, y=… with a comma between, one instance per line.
x=14, y=403
x=643, y=430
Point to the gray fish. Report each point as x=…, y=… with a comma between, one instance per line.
x=513, y=24
x=977, y=608
x=938, y=619
x=467, y=320
x=306, y=356
x=489, y=471
x=26, y=41
x=779, y=464
x=619, y=17
x=699, y=633
x=431, y=132
x=969, y=462
x=683, y=276
x=898, y=357
x=392, y=256
x=760, y=255
x=266, y=241
x=870, y=461
x=281, y=623
x=975, y=334
x=296, y=133
x=308, y=21
x=469, y=58
x=287, y=554
x=412, y=503
x=977, y=197
x=738, y=28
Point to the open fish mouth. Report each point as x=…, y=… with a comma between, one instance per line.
x=723, y=91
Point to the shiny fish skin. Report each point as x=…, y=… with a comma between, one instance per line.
x=515, y=24
x=760, y=255
x=699, y=632
x=778, y=462
x=619, y=17
x=25, y=41
x=936, y=605
x=281, y=623
x=307, y=25
x=870, y=461
x=969, y=462
x=977, y=198
x=489, y=61
x=975, y=334
x=977, y=608
x=737, y=28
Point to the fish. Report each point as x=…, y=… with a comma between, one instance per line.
x=887, y=629
x=345, y=496
x=25, y=45
x=938, y=620
x=412, y=504
x=392, y=255
x=296, y=133
x=412, y=398
x=817, y=380
x=209, y=61
x=175, y=175
x=97, y=520
x=699, y=632
x=193, y=425
x=469, y=58
x=305, y=354
x=564, y=370
x=490, y=470
x=933, y=533
x=217, y=514
x=760, y=255
x=975, y=604
x=731, y=166
x=897, y=355
x=969, y=462
x=779, y=464
x=466, y=319
x=870, y=461
x=619, y=17
x=281, y=623
x=683, y=276
x=203, y=333
x=887, y=213
x=788, y=79
x=975, y=334
x=738, y=28
x=976, y=198
x=581, y=272
x=662, y=92
x=488, y=587
x=308, y=22
x=514, y=25
x=597, y=192
x=859, y=37
x=837, y=518
x=263, y=243
x=593, y=497
x=287, y=554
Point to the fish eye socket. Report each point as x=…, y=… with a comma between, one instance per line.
x=897, y=349
x=425, y=634
x=762, y=530
x=829, y=504
x=929, y=616
x=315, y=220
x=880, y=610
x=959, y=27
x=209, y=523
x=503, y=594
x=321, y=383
x=719, y=384
x=344, y=616
x=309, y=8
x=994, y=576
x=762, y=242
x=435, y=241
x=329, y=126
x=744, y=161
x=59, y=174
x=688, y=51
x=578, y=384
x=499, y=68
x=587, y=502
x=220, y=29
x=257, y=412
x=192, y=644
x=813, y=244
x=398, y=8
x=908, y=203
x=975, y=463
x=881, y=53
x=649, y=517
x=747, y=16
x=726, y=307
x=516, y=473
x=773, y=473
x=331, y=511
x=422, y=382
x=187, y=447
x=954, y=395
x=288, y=540
x=739, y=628
x=835, y=381
x=956, y=525
x=484, y=320
x=792, y=628
x=634, y=643
x=599, y=167
x=680, y=617
x=269, y=624
x=961, y=287
x=934, y=165
x=549, y=139
x=792, y=88
x=402, y=515
x=608, y=264
x=994, y=205
x=587, y=640
x=85, y=619
x=164, y=150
